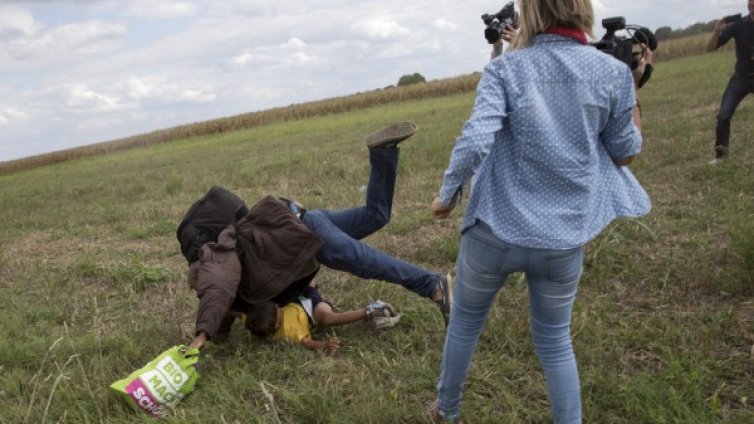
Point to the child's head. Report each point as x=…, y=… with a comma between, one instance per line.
x=262, y=319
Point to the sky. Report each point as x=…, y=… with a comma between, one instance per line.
x=78, y=72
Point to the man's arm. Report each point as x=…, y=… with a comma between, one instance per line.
x=638, y=73
x=714, y=39
x=216, y=281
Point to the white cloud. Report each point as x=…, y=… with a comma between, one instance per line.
x=380, y=28
x=15, y=114
x=161, y=9
x=160, y=89
x=88, y=125
x=15, y=22
x=293, y=43
x=444, y=24
x=252, y=58
x=274, y=57
x=247, y=7
x=65, y=41
x=10, y=115
x=194, y=95
x=395, y=51
x=81, y=97
x=136, y=89
x=598, y=6
x=301, y=58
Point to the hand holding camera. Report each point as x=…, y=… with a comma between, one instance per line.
x=731, y=18
x=503, y=24
x=634, y=49
x=725, y=21
x=644, y=59
x=508, y=33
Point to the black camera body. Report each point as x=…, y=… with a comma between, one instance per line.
x=624, y=48
x=620, y=48
x=496, y=23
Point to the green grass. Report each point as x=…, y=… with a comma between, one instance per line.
x=92, y=280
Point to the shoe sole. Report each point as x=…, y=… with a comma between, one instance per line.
x=447, y=299
x=384, y=323
x=392, y=135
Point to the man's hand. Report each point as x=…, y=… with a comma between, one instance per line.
x=509, y=34
x=199, y=341
x=647, y=57
x=438, y=210
x=720, y=25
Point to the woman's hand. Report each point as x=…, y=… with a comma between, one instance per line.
x=439, y=211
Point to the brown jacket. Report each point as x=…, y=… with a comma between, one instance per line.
x=256, y=259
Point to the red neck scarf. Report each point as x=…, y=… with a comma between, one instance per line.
x=574, y=33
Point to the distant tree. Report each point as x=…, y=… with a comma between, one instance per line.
x=663, y=33
x=411, y=79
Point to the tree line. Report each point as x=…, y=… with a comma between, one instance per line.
x=666, y=33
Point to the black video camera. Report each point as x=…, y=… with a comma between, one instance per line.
x=497, y=22
x=628, y=49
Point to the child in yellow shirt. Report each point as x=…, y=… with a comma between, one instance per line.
x=294, y=321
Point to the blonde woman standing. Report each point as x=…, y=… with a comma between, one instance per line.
x=554, y=126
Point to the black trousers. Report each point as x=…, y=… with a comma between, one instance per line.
x=738, y=87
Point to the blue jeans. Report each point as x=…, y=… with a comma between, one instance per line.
x=738, y=87
x=484, y=263
x=340, y=232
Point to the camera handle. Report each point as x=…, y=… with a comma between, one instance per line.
x=646, y=39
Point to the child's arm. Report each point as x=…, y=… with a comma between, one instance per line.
x=332, y=344
x=326, y=317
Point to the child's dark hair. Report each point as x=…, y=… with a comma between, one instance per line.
x=262, y=319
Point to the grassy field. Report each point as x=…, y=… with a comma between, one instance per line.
x=92, y=281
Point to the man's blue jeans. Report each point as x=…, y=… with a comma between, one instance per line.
x=340, y=232
x=484, y=263
x=738, y=87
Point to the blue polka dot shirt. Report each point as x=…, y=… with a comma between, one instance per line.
x=547, y=123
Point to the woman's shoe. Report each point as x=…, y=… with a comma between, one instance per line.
x=440, y=418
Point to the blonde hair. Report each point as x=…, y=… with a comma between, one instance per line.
x=539, y=15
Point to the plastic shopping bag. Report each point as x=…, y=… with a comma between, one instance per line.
x=162, y=383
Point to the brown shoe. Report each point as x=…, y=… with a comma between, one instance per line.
x=391, y=135
x=438, y=418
